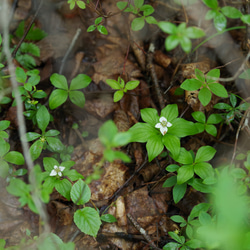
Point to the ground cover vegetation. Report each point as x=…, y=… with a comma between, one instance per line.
x=125, y=124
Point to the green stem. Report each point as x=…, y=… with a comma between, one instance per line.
x=214, y=35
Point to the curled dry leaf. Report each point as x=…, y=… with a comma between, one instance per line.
x=162, y=59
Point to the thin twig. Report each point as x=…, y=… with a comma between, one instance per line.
x=78, y=31
x=13, y=55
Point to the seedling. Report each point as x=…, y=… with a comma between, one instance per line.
x=206, y=125
x=98, y=26
x=61, y=94
x=206, y=85
x=121, y=87
x=139, y=6
x=180, y=35
x=79, y=3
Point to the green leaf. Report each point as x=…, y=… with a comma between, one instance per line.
x=30, y=48
x=171, y=42
x=137, y=24
x=220, y=22
x=211, y=14
x=18, y=188
x=36, y=149
x=87, y=220
x=204, y=96
x=72, y=174
x=4, y=124
x=77, y=97
x=107, y=133
x=141, y=132
x=172, y=168
x=14, y=157
x=42, y=117
x=170, y=112
x=176, y=237
x=211, y=129
x=59, y=81
x=55, y=144
x=172, y=246
x=213, y=4
x=218, y=89
x=233, y=100
x=138, y=3
x=194, y=32
x=194, y=244
x=132, y=85
x=30, y=136
x=118, y=95
x=49, y=163
x=108, y=218
x=147, y=9
x=171, y=181
x=178, y=219
x=121, y=5
x=185, y=173
x=185, y=157
x=246, y=19
x=179, y=192
x=204, y=170
x=20, y=75
x=4, y=169
x=91, y=28
x=52, y=132
x=213, y=73
x=154, y=147
x=214, y=119
x=121, y=139
x=205, y=153
x=79, y=82
x=191, y=84
x=26, y=60
x=80, y=193
x=102, y=29
x=197, y=209
x=151, y=20
x=199, y=75
x=3, y=134
x=231, y=12
x=63, y=187
x=172, y=143
x=113, y=84
x=168, y=27
x=199, y=116
x=222, y=106
x=186, y=44
x=57, y=98
x=81, y=4
x=150, y=116
x=182, y=128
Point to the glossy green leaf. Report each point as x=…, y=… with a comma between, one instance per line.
x=178, y=219
x=55, y=144
x=77, y=97
x=172, y=168
x=214, y=119
x=49, y=163
x=154, y=146
x=171, y=42
x=246, y=19
x=205, y=153
x=59, y=81
x=204, y=96
x=108, y=218
x=87, y=220
x=91, y=28
x=191, y=84
x=211, y=129
x=52, y=132
x=185, y=157
x=20, y=75
x=170, y=112
x=171, y=181
x=220, y=22
x=132, y=85
x=222, y=106
x=199, y=116
x=118, y=95
x=81, y=4
x=80, y=193
x=147, y=9
x=36, y=149
x=79, y=82
x=213, y=73
x=4, y=124
x=213, y=4
x=203, y=170
x=182, y=128
x=172, y=143
x=231, y=12
x=42, y=117
x=168, y=27
x=113, y=84
x=102, y=29
x=14, y=157
x=179, y=192
x=185, y=173
x=137, y=24
x=30, y=136
x=57, y=98
x=218, y=89
x=150, y=116
x=63, y=187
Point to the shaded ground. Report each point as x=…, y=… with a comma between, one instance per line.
x=122, y=52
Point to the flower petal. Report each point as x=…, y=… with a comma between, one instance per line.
x=60, y=174
x=61, y=168
x=55, y=167
x=163, y=119
x=169, y=124
x=158, y=125
x=164, y=130
x=53, y=173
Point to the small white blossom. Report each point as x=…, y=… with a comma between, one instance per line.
x=163, y=125
x=57, y=171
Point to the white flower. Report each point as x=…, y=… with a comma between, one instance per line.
x=163, y=125
x=57, y=171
